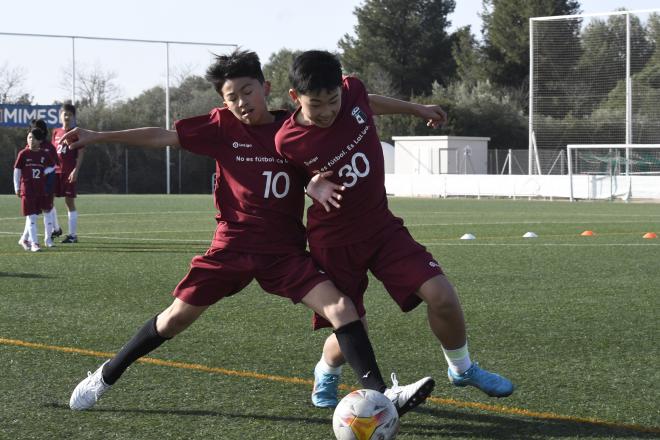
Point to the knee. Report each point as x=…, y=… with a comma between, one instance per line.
x=341, y=312
x=170, y=323
x=440, y=295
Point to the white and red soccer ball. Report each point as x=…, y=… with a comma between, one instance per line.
x=365, y=415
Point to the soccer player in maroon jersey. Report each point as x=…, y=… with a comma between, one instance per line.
x=259, y=232
x=67, y=173
x=333, y=131
x=32, y=166
x=49, y=197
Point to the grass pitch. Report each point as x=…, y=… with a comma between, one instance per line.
x=572, y=320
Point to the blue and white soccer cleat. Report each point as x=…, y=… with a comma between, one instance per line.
x=490, y=383
x=324, y=394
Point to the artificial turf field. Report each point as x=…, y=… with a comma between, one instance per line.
x=572, y=320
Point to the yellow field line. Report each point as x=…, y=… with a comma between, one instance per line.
x=294, y=380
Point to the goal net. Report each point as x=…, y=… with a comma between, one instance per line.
x=594, y=79
x=608, y=171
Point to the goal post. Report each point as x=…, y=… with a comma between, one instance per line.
x=608, y=170
x=593, y=79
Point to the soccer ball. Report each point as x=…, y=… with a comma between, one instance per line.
x=365, y=415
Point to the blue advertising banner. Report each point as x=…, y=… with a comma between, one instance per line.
x=20, y=115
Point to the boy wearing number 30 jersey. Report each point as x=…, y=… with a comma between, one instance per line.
x=333, y=132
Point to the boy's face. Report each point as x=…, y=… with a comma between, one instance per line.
x=245, y=97
x=318, y=108
x=67, y=118
x=33, y=143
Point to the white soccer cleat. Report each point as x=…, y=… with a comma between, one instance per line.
x=49, y=243
x=35, y=247
x=25, y=244
x=410, y=396
x=88, y=391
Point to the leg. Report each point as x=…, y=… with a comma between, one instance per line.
x=350, y=341
x=444, y=312
x=173, y=320
x=349, y=333
x=447, y=323
x=72, y=236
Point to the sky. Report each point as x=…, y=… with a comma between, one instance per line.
x=265, y=26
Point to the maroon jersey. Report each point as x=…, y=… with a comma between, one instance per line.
x=258, y=195
x=66, y=156
x=32, y=165
x=351, y=149
x=50, y=149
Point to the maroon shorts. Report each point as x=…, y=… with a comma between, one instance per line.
x=394, y=258
x=32, y=204
x=64, y=188
x=220, y=273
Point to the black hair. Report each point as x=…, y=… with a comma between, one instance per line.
x=40, y=124
x=239, y=63
x=68, y=107
x=314, y=71
x=38, y=134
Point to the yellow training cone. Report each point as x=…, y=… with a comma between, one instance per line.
x=587, y=233
x=650, y=235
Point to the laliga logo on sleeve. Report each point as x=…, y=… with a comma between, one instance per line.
x=359, y=115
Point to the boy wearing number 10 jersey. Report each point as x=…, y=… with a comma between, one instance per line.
x=259, y=234
x=333, y=132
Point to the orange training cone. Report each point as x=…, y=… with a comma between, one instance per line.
x=650, y=235
x=587, y=233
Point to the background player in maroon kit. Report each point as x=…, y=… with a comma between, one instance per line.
x=32, y=166
x=259, y=235
x=70, y=163
x=49, y=197
x=333, y=130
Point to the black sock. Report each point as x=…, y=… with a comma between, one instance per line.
x=356, y=348
x=144, y=341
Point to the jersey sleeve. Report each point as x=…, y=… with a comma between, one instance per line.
x=355, y=88
x=200, y=134
x=20, y=162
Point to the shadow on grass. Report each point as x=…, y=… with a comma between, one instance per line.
x=24, y=275
x=201, y=413
x=451, y=424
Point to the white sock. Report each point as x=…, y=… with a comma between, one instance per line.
x=326, y=368
x=48, y=225
x=73, y=223
x=26, y=229
x=56, y=223
x=32, y=221
x=458, y=360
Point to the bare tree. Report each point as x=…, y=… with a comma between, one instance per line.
x=94, y=87
x=11, y=83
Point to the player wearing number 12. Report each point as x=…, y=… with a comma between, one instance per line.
x=333, y=131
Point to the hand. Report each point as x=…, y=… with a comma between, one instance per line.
x=18, y=194
x=73, y=176
x=435, y=116
x=324, y=191
x=78, y=138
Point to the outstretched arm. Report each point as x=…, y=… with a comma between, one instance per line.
x=149, y=137
x=434, y=115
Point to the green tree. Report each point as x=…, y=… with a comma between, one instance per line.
x=276, y=70
x=506, y=35
x=400, y=45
